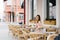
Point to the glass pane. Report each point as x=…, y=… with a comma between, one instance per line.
x=52, y=9
x=9, y=2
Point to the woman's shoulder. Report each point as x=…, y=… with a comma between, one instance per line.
x=39, y=22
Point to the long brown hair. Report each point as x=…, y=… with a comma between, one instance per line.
x=39, y=18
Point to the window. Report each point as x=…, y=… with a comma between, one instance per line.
x=9, y=2
x=51, y=9
x=5, y=0
x=34, y=8
x=22, y=3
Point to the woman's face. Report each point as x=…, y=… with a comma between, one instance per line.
x=37, y=17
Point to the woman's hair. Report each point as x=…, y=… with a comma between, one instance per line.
x=39, y=18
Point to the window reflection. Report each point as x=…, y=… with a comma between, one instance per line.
x=33, y=8
x=51, y=9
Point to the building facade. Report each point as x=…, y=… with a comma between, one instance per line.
x=13, y=10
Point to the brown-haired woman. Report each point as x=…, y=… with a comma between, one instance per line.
x=38, y=23
x=38, y=19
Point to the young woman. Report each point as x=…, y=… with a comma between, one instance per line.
x=38, y=21
x=38, y=18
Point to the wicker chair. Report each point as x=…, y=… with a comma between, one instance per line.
x=51, y=37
